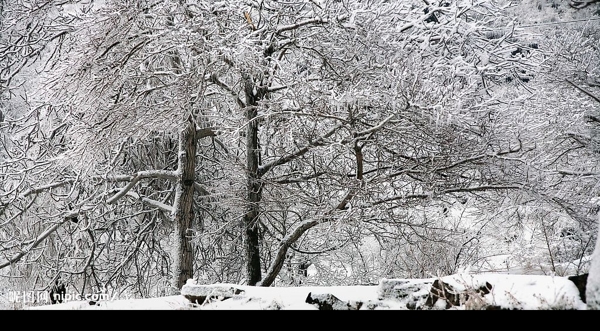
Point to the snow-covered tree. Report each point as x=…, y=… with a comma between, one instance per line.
x=571, y=81
x=276, y=135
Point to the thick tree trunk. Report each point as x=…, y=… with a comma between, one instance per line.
x=253, y=186
x=183, y=209
x=254, y=190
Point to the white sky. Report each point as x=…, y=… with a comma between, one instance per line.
x=528, y=292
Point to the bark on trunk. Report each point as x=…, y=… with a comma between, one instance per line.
x=183, y=209
x=254, y=195
x=253, y=185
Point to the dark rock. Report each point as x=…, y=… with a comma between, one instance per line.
x=580, y=281
x=412, y=292
x=440, y=290
x=330, y=302
x=484, y=289
x=452, y=297
x=200, y=293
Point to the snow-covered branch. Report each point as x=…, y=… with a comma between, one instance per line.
x=134, y=179
x=284, y=246
x=39, y=239
x=317, y=142
x=215, y=79
x=289, y=27
x=151, y=202
x=578, y=173
x=43, y=188
x=448, y=191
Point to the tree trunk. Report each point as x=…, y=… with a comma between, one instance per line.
x=253, y=186
x=183, y=208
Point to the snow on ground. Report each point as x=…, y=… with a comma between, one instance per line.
x=526, y=292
